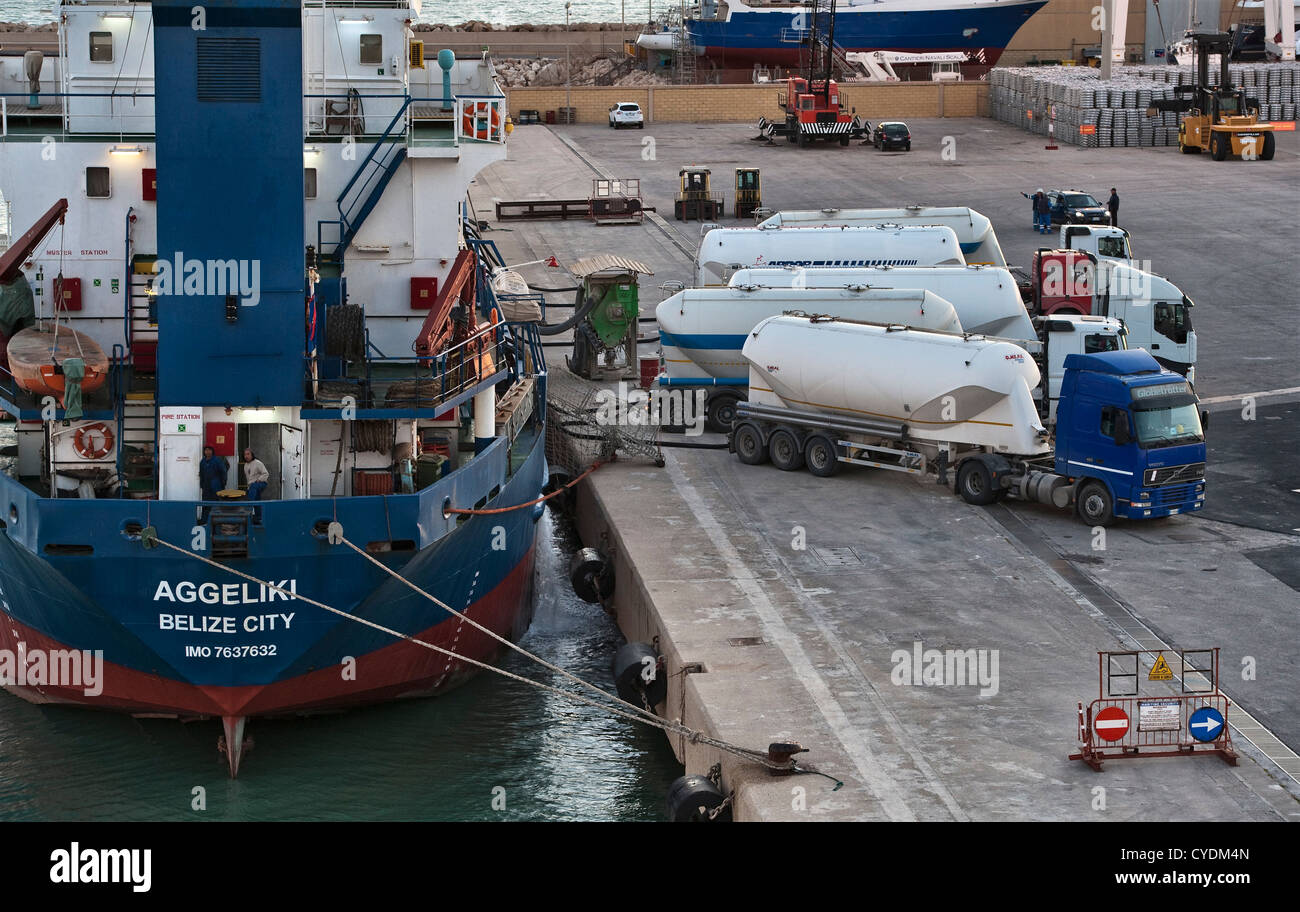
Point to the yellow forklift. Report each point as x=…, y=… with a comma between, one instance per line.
x=695, y=200
x=749, y=194
x=1218, y=119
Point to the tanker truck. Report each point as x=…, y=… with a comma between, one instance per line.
x=824, y=392
x=701, y=331
x=978, y=240
x=1155, y=311
x=724, y=250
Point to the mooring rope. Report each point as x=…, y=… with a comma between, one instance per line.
x=149, y=538
x=466, y=511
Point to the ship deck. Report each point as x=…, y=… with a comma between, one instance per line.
x=797, y=643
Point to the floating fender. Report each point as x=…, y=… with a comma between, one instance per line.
x=592, y=575
x=690, y=798
x=639, y=672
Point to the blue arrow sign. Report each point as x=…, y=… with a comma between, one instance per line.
x=1206, y=724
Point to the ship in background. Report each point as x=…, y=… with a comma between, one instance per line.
x=257, y=215
x=735, y=35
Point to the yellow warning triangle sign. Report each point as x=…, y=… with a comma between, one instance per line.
x=1160, y=671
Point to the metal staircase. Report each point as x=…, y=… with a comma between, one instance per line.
x=138, y=436
x=362, y=193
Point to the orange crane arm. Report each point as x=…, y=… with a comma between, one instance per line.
x=459, y=287
x=12, y=259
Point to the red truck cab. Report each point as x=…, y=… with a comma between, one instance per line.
x=1063, y=282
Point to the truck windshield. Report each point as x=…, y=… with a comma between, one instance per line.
x=1167, y=425
x=1173, y=319
x=1114, y=247
x=1079, y=201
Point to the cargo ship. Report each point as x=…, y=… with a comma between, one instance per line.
x=734, y=33
x=254, y=209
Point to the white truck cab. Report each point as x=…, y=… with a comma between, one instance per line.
x=1102, y=241
x=1072, y=334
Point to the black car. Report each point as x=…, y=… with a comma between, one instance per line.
x=1074, y=207
x=892, y=134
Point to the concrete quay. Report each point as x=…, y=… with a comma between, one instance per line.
x=801, y=599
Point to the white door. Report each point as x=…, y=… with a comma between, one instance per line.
x=181, y=454
x=180, y=449
x=292, y=486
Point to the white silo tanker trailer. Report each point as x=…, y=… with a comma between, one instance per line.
x=987, y=298
x=824, y=392
x=702, y=330
x=979, y=242
x=724, y=250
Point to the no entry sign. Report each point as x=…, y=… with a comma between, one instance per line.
x=1111, y=723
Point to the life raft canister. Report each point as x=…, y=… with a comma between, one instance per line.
x=84, y=440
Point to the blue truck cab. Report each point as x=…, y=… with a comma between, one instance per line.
x=1129, y=433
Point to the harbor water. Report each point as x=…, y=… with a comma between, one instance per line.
x=494, y=749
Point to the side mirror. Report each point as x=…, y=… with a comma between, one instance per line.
x=1205, y=421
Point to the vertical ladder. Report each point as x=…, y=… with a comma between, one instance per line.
x=138, y=444
x=144, y=316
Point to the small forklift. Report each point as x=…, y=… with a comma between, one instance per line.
x=749, y=194
x=1218, y=119
x=695, y=200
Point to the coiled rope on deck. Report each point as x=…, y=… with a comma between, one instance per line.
x=150, y=539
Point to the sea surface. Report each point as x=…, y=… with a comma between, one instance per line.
x=497, y=12
x=443, y=758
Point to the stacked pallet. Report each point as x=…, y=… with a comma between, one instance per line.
x=1094, y=113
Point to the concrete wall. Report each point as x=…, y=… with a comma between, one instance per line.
x=746, y=103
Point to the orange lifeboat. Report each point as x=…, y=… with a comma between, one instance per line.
x=35, y=357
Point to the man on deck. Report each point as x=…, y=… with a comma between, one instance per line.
x=212, y=473
x=256, y=475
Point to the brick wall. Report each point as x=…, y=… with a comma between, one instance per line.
x=745, y=103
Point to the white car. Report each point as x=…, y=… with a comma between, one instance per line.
x=626, y=114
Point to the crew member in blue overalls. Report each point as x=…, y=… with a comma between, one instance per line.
x=212, y=473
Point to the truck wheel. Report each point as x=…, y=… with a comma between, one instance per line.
x=804, y=141
x=821, y=456
x=1218, y=147
x=844, y=140
x=748, y=443
x=720, y=413
x=1266, y=152
x=784, y=451
x=975, y=483
x=1094, y=505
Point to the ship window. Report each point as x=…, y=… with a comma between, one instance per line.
x=309, y=183
x=101, y=47
x=97, y=185
x=372, y=49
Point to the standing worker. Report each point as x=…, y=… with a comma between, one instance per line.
x=212, y=473
x=1113, y=204
x=1042, y=211
x=256, y=475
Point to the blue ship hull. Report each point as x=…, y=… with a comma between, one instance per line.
x=748, y=38
x=180, y=637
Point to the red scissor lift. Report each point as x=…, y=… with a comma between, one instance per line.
x=1123, y=722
